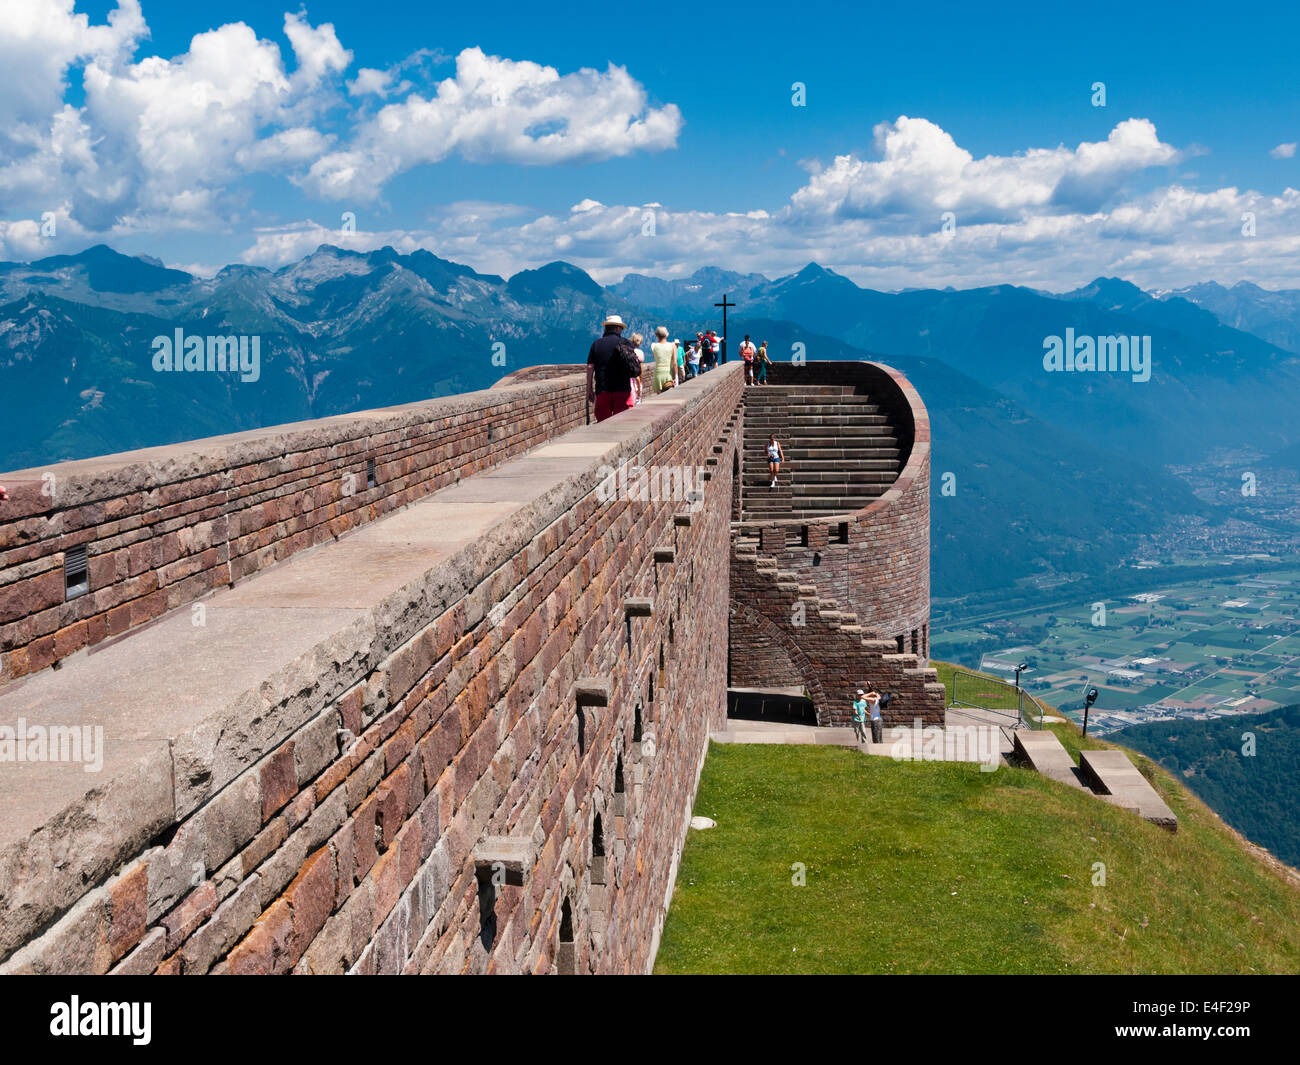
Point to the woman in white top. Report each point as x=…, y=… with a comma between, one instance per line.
x=636, y=339
x=775, y=456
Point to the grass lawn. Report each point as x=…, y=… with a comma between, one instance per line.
x=939, y=868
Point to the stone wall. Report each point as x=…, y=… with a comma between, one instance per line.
x=489, y=770
x=165, y=526
x=873, y=563
x=882, y=572
x=785, y=634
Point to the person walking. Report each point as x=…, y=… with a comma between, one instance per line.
x=762, y=362
x=611, y=368
x=860, y=717
x=665, y=356
x=775, y=456
x=747, y=354
x=681, y=360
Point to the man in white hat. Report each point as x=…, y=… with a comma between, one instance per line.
x=610, y=371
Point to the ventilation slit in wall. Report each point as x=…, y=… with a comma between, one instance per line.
x=370, y=473
x=76, y=574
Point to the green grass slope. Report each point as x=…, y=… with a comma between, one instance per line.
x=940, y=868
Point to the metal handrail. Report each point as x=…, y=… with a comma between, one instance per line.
x=1027, y=712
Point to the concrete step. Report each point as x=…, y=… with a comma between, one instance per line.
x=1116, y=779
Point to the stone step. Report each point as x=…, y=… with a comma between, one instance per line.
x=847, y=416
x=810, y=466
x=833, y=504
x=867, y=480
x=849, y=445
x=845, y=398
x=782, y=393
x=871, y=482
x=803, y=453
x=827, y=418
x=764, y=427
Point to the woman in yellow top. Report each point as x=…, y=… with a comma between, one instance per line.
x=665, y=354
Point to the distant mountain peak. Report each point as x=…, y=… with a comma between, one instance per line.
x=544, y=282
x=107, y=270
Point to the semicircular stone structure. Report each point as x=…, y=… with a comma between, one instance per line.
x=424, y=689
x=830, y=572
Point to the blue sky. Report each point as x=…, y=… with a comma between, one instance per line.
x=1044, y=188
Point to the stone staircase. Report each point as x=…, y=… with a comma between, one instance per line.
x=840, y=449
x=838, y=654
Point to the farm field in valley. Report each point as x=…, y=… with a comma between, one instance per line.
x=1205, y=649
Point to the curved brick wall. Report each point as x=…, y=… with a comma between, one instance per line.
x=883, y=573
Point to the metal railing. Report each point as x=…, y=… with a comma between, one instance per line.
x=996, y=697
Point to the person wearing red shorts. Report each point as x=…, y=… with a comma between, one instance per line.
x=609, y=380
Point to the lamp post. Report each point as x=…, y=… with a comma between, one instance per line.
x=1089, y=697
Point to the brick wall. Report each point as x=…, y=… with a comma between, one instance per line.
x=874, y=563
x=784, y=634
x=165, y=526
x=882, y=574
x=349, y=829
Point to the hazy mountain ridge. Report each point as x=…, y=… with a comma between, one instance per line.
x=1273, y=315
x=1210, y=386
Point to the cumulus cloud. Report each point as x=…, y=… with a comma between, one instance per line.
x=163, y=143
x=922, y=170
x=1284, y=151
x=497, y=110
x=1164, y=237
x=157, y=142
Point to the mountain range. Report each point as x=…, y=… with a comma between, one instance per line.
x=1052, y=470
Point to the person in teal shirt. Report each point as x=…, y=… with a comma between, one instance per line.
x=860, y=716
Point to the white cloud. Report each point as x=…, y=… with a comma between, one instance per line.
x=924, y=171
x=496, y=110
x=1031, y=235
x=162, y=143
x=371, y=82
x=1284, y=151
